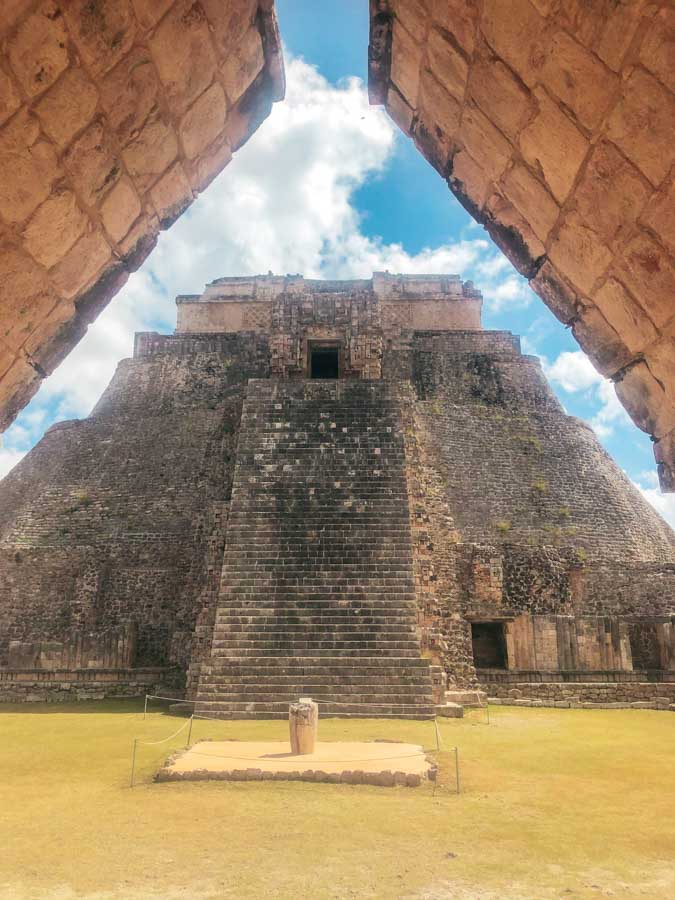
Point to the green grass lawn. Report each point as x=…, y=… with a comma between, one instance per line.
x=555, y=803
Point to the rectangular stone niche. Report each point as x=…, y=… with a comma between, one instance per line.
x=489, y=645
x=324, y=360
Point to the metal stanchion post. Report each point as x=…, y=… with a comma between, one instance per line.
x=438, y=736
x=457, y=768
x=145, y=706
x=133, y=762
x=190, y=730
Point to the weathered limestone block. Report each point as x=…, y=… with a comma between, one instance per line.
x=500, y=95
x=515, y=37
x=640, y=125
x=405, y=73
x=120, y=209
x=153, y=151
x=578, y=78
x=560, y=146
x=129, y=93
x=70, y=106
x=26, y=296
x=579, y=254
x=38, y=50
x=201, y=125
x=113, y=116
x=447, y=64
x=486, y=144
x=522, y=188
x=646, y=401
x=81, y=264
x=433, y=133
x=183, y=53
x=10, y=99
x=54, y=228
x=102, y=32
x=243, y=64
x=540, y=143
x=171, y=194
x=610, y=194
x=33, y=166
x=659, y=216
x=625, y=315
x=649, y=272
x=657, y=51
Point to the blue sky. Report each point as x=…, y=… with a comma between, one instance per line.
x=330, y=188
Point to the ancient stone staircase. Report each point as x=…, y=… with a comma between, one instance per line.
x=317, y=595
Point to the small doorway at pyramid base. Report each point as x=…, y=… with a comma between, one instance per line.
x=325, y=359
x=489, y=645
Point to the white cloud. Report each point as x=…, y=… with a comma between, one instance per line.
x=574, y=373
x=8, y=459
x=662, y=503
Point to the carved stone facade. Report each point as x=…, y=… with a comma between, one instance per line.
x=236, y=517
x=114, y=116
x=551, y=121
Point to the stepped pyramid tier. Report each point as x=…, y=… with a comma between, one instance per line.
x=339, y=489
x=317, y=596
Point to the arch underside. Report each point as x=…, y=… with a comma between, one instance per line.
x=113, y=117
x=551, y=122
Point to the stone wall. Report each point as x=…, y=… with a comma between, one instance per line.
x=118, y=520
x=585, y=695
x=113, y=117
x=551, y=121
x=69, y=685
x=400, y=302
x=519, y=516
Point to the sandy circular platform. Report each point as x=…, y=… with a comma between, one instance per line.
x=377, y=762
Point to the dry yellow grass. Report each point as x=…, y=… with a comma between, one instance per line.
x=556, y=803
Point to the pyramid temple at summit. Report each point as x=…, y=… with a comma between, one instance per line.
x=345, y=490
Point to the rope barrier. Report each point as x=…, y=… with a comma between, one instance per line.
x=138, y=741
x=164, y=740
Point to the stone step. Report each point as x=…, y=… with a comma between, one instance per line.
x=406, y=679
x=280, y=587
x=358, y=605
x=374, y=691
x=335, y=665
x=283, y=694
x=316, y=652
x=224, y=629
x=291, y=643
x=317, y=592
x=279, y=710
x=295, y=629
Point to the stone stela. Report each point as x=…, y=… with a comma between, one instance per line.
x=303, y=720
x=344, y=490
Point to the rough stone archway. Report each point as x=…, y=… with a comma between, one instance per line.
x=552, y=122
x=113, y=117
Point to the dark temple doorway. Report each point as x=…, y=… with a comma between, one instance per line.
x=489, y=646
x=324, y=362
